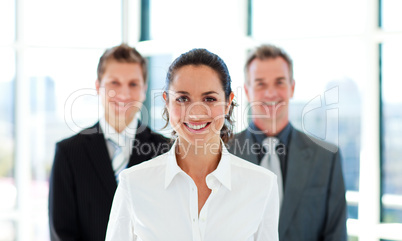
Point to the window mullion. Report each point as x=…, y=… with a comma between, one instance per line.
x=369, y=206
x=22, y=132
x=124, y=20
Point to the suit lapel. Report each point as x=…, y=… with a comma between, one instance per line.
x=242, y=146
x=248, y=153
x=99, y=158
x=140, y=151
x=298, y=172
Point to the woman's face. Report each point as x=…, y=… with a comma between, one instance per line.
x=197, y=105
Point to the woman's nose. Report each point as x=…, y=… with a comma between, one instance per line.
x=198, y=110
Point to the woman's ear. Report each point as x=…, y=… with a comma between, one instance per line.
x=165, y=96
x=231, y=97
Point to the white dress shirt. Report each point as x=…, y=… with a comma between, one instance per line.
x=124, y=139
x=156, y=201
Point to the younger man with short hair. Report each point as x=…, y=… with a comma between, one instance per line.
x=86, y=166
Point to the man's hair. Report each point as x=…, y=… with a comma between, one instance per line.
x=122, y=54
x=268, y=51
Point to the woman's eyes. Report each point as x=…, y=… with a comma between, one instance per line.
x=183, y=99
x=210, y=99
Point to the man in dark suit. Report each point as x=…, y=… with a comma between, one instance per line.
x=86, y=166
x=310, y=179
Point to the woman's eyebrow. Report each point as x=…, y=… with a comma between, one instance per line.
x=210, y=92
x=182, y=92
x=187, y=93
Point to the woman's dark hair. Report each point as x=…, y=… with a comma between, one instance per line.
x=199, y=57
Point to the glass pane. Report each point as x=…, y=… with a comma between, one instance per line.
x=392, y=215
x=63, y=99
x=392, y=132
x=197, y=20
x=7, y=185
x=63, y=102
x=353, y=211
x=391, y=17
x=287, y=19
x=7, y=231
x=7, y=21
x=92, y=23
x=327, y=98
x=40, y=230
x=154, y=103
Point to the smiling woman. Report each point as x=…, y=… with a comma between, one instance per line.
x=194, y=81
x=199, y=181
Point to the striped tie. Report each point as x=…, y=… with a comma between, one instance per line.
x=119, y=162
x=272, y=162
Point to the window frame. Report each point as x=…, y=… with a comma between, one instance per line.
x=368, y=227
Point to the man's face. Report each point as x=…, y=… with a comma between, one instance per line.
x=268, y=91
x=122, y=90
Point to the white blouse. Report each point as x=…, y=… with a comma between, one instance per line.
x=156, y=201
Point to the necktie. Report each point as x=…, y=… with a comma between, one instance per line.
x=272, y=162
x=119, y=162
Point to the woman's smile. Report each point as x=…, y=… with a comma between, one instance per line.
x=197, y=127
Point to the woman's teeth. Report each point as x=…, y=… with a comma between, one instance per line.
x=196, y=127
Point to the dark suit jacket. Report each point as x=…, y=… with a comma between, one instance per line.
x=82, y=182
x=314, y=205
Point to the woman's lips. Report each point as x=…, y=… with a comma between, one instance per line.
x=197, y=127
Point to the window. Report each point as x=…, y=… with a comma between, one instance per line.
x=334, y=45
x=63, y=101
x=55, y=52
x=153, y=106
x=7, y=21
x=309, y=18
x=196, y=21
x=327, y=100
x=390, y=15
x=8, y=190
x=392, y=133
x=75, y=23
x=50, y=50
x=7, y=144
x=329, y=71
